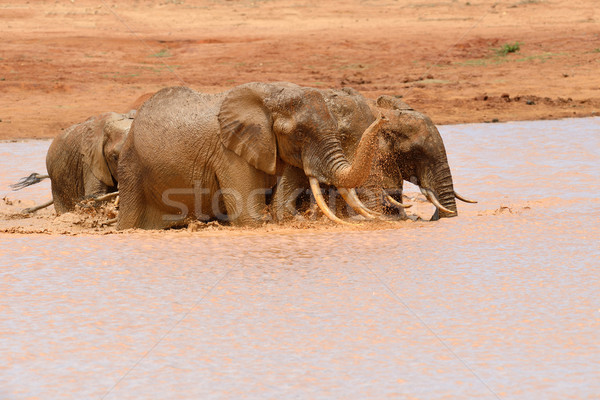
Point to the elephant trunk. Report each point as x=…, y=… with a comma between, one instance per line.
x=442, y=186
x=346, y=175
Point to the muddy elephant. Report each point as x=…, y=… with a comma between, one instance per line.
x=215, y=156
x=82, y=160
x=410, y=148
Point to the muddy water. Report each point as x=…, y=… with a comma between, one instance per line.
x=501, y=302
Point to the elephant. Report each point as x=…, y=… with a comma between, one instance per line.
x=410, y=148
x=82, y=161
x=200, y=156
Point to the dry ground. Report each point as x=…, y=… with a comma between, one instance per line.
x=62, y=61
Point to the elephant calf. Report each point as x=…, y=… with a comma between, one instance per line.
x=82, y=160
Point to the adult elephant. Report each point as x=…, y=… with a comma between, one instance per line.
x=202, y=156
x=82, y=161
x=410, y=148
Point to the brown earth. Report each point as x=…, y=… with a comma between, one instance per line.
x=61, y=62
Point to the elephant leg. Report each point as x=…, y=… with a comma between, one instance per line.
x=93, y=186
x=141, y=206
x=290, y=185
x=242, y=191
x=142, y=203
x=133, y=204
x=63, y=202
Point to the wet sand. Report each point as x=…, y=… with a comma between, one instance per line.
x=500, y=302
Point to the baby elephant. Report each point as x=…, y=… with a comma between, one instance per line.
x=82, y=161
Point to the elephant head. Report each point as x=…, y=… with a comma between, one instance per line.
x=101, y=146
x=417, y=152
x=266, y=122
x=410, y=148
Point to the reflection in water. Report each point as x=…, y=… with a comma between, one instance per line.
x=503, y=297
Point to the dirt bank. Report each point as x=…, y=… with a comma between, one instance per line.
x=61, y=62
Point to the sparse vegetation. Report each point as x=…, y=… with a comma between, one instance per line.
x=162, y=53
x=541, y=57
x=120, y=75
x=476, y=62
x=509, y=48
x=500, y=59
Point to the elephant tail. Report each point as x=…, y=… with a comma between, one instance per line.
x=28, y=181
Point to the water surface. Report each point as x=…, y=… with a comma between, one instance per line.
x=500, y=302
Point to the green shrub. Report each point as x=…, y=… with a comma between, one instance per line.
x=509, y=48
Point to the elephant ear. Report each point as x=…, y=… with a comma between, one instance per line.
x=246, y=126
x=392, y=103
x=92, y=151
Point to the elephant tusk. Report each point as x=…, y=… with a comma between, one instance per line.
x=353, y=201
x=361, y=204
x=117, y=201
x=38, y=207
x=458, y=196
x=109, y=222
x=106, y=196
x=316, y=189
x=395, y=202
x=433, y=199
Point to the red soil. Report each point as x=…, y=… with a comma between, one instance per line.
x=61, y=62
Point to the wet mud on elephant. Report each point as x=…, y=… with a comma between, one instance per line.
x=215, y=156
x=409, y=148
x=82, y=161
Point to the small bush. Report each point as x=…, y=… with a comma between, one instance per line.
x=509, y=48
x=162, y=53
